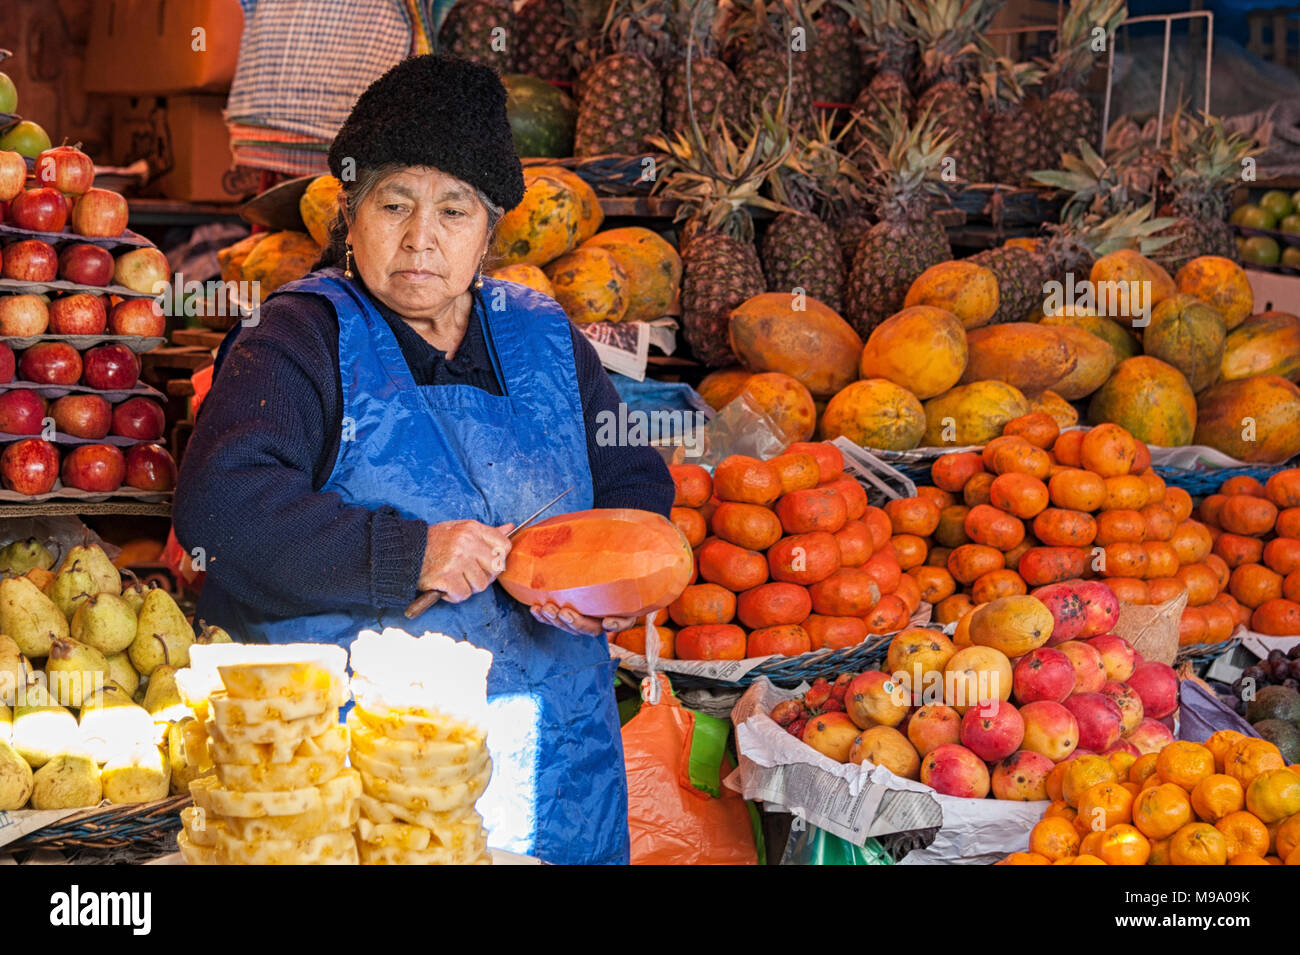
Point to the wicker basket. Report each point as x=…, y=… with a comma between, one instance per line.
x=1201, y=483
x=1203, y=654
x=140, y=831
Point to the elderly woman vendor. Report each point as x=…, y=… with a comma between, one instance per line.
x=380, y=429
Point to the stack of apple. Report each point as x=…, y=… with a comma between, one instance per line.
x=789, y=558
x=1024, y=686
x=62, y=194
x=1036, y=506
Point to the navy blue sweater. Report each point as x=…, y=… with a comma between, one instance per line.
x=265, y=442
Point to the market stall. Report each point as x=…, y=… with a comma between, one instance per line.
x=938, y=502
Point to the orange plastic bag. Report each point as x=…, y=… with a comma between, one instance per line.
x=674, y=757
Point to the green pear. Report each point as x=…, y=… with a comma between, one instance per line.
x=75, y=671
x=162, y=634
x=122, y=673
x=30, y=617
x=105, y=622
x=134, y=593
x=141, y=775
x=211, y=633
x=16, y=781
x=95, y=562
x=112, y=724
x=13, y=669
x=6, y=722
x=21, y=556
x=68, y=781
x=163, y=698
x=43, y=729
x=71, y=588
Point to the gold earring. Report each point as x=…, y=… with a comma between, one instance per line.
x=478, y=281
x=347, y=266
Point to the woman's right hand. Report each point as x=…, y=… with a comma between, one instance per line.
x=462, y=558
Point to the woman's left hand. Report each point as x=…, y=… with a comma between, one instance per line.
x=573, y=622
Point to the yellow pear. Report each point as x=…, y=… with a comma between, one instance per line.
x=6, y=722
x=29, y=617
x=16, y=781
x=113, y=724
x=76, y=672
x=134, y=593
x=141, y=775
x=162, y=634
x=20, y=556
x=94, y=561
x=13, y=669
x=68, y=781
x=122, y=673
x=105, y=622
x=72, y=587
x=211, y=633
x=163, y=697
x=43, y=729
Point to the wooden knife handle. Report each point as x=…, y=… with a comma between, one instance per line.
x=422, y=603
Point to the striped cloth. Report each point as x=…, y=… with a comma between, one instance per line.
x=302, y=65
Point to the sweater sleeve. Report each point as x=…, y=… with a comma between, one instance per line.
x=632, y=476
x=247, y=492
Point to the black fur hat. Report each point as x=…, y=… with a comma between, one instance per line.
x=438, y=111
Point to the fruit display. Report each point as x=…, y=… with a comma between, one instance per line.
x=279, y=792
x=89, y=705
x=1232, y=800
x=1028, y=696
x=1268, y=229
x=789, y=558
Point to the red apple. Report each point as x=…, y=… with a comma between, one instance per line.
x=1045, y=674
x=1157, y=685
x=50, y=363
x=1117, y=655
x=21, y=411
x=29, y=466
x=8, y=364
x=66, y=168
x=144, y=419
x=137, y=316
x=82, y=416
x=31, y=260
x=100, y=213
x=23, y=315
x=94, y=467
x=41, y=210
x=111, y=368
x=1100, y=720
x=1101, y=608
x=141, y=269
x=13, y=174
x=86, y=264
x=954, y=770
x=150, y=468
x=992, y=731
x=78, y=314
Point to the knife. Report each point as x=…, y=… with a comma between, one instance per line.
x=426, y=600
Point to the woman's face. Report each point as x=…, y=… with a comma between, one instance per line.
x=417, y=240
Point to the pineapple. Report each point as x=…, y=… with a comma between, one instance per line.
x=889, y=50
x=906, y=241
x=766, y=66
x=554, y=35
x=621, y=98
x=1014, y=136
x=836, y=73
x=1204, y=166
x=947, y=31
x=717, y=182
x=482, y=31
x=800, y=249
x=1097, y=187
x=1067, y=116
x=713, y=86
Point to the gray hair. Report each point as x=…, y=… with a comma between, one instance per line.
x=355, y=193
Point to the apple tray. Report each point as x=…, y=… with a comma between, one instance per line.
x=137, y=343
x=127, y=238
x=58, y=391
x=61, y=493
x=60, y=438
x=19, y=287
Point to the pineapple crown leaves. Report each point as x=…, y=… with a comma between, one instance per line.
x=817, y=175
x=904, y=160
x=640, y=27
x=695, y=26
x=890, y=37
x=1072, y=53
x=1096, y=187
x=947, y=32
x=1073, y=244
x=717, y=181
x=1004, y=82
x=1203, y=155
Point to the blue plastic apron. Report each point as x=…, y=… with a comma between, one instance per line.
x=452, y=452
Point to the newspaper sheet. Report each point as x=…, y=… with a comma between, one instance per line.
x=624, y=347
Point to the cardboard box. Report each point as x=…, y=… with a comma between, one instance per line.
x=162, y=46
x=186, y=143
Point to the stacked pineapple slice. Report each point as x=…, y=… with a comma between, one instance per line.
x=422, y=769
x=281, y=793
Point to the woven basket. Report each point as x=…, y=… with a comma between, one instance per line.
x=613, y=175
x=1201, y=483
x=143, y=830
x=1201, y=654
